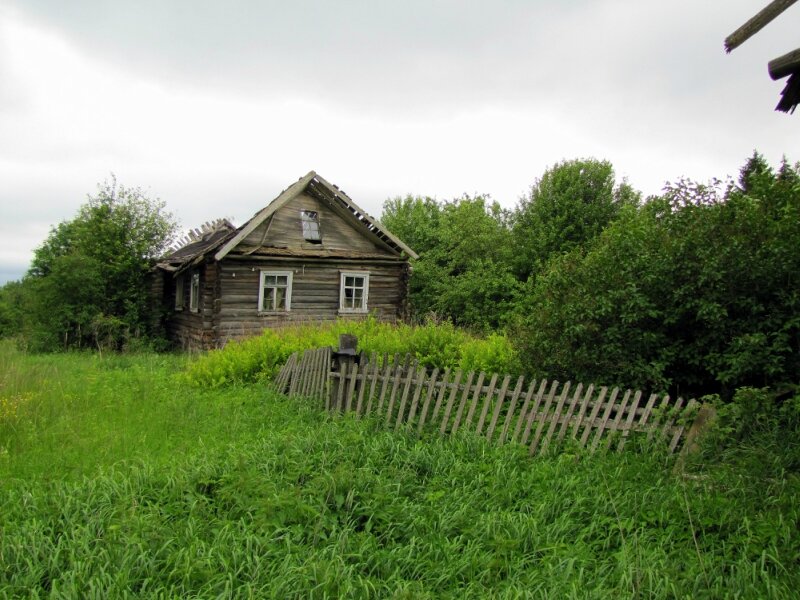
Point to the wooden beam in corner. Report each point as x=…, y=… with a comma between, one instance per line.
x=784, y=65
x=757, y=23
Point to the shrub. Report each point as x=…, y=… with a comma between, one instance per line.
x=433, y=345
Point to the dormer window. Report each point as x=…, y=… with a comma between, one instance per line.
x=310, y=221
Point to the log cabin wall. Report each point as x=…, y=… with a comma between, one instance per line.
x=315, y=292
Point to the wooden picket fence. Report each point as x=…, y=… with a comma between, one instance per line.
x=538, y=414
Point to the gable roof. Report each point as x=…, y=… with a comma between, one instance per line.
x=338, y=201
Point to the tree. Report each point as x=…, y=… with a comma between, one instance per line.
x=569, y=206
x=93, y=269
x=696, y=292
x=464, y=270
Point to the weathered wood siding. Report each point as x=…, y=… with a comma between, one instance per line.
x=194, y=330
x=315, y=293
x=284, y=230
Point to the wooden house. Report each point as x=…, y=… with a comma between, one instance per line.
x=310, y=255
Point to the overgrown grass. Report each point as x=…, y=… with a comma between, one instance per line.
x=65, y=415
x=434, y=345
x=285, y=501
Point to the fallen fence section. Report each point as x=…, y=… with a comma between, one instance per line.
x=503, y=409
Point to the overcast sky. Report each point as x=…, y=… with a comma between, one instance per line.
x=215, y=107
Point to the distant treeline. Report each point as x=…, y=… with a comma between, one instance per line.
x=696, y=291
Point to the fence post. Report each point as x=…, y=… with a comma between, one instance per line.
x=343, y=360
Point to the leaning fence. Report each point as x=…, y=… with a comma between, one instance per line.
x=502, y=408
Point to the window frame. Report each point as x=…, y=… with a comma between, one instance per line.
x=343, y=275
x=263, y=274
x=180, y=292
x=194, y=293
x=308, y=224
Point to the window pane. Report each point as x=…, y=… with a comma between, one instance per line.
x=282, y=280
x=280, y=298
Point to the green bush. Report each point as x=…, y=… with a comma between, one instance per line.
x=433, y=345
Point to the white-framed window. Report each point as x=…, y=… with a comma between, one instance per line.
x=353, y=291
x=310, y=222
x=180, y=298
x=194, y=293
x=275, y=291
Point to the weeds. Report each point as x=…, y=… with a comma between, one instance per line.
x=249, y=494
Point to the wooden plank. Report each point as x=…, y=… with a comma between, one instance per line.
x=543, y=419
x=351, y=389
x=420, y=377
x=342, y=384
x=373, y=384
x=463, y=402
x=534, y=410
x=411, y=371
x=606, y=415
x=592, y=416
x=487, y=401
x=662, y=413
x=450, y=400
x=524, y=411
x=512, y=408
x=501, y=396
x=412, y=411
x=617, y=423
x=567, y=420
x=629, y=422
x=440, y=398
x=367, y=381
x=756, y=23
x=673, y=413
x=385, y=383
x=417, y=395
x=398, y=376
x=554, y=421
x=681, y=426
x=642, y=422
x=431, y=391
x=475, y=396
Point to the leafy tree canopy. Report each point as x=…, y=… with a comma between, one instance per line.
x=92, y=270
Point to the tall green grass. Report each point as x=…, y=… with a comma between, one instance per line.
x=262, y=496
x=434, y=345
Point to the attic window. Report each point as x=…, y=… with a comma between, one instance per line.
x=310, y=221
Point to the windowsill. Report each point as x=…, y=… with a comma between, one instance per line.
x=353, y=311
x=265, y=313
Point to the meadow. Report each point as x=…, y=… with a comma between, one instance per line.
x=118, y=478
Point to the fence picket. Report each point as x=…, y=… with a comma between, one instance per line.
x=385, y=383
x=523, y=411
x=587, y=397
x=440, y=397
x=431, y=387
x=512, y=407
x=475, y=396
x=565, y=422
x=367, y=364
x=617, y=423
x=351, y=390
x=450, y=400
x=629, y=422
x=398, y=377
x=534, y=411
x=402, y=410
x=501, y=396
x=486, y=403
x=464, y=396
x=556, y=415
x=661, y=413
x=681, y=426
x=431, y=392
x=673, y=414
x=592, y=416
x=606, y=416
x=415, y=399
x=543, y=419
